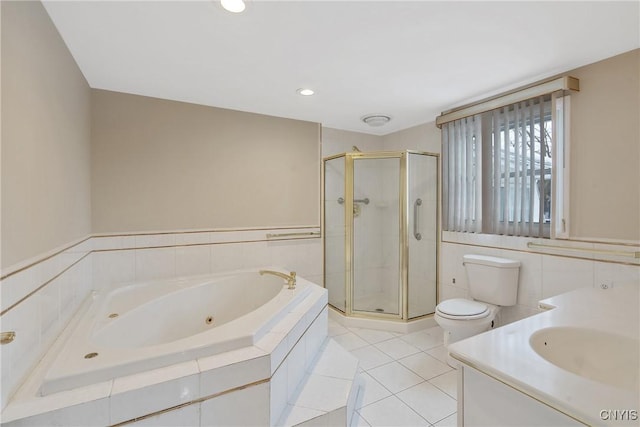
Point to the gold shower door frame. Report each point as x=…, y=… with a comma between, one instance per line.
x=403, y=237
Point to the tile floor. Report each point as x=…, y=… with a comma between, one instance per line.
x=407, y=381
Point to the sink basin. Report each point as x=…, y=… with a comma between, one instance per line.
x=596, y=355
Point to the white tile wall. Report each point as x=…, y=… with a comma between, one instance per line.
x=542, y=275
x=154, y=240
x=39, y=318
x=295, y=367
x=246, y=407
x=92, y=413
x=193, y=260
x=187, y=416
x=157, y=263
x=211, y=252
x=113, y=267
x=227, y=256
x=610, y=274
x=214, y=379
x=17, y=286
x=256, y=254
x=19, y=356
x=560, y=274
x=278, y=392
x=193, y=238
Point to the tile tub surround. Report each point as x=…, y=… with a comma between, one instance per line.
x=543, y=272
x=120, y=259
x=40, y=295
x=37, y=302
x=220, y=386
x=506, y=354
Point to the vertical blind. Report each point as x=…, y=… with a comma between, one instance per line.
x=461, y=169
x=497, y=170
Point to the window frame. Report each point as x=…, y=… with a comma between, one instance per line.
x=555, y=110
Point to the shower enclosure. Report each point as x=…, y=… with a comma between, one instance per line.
x=380, y=216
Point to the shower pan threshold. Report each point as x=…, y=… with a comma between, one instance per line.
x=418, y=324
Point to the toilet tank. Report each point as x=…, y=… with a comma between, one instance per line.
x=492, y=279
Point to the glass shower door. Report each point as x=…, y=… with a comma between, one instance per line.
x=335, y=232
x=376, y=235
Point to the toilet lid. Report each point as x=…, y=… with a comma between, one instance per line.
x=463, y=308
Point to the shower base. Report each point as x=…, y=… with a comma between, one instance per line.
x=377, y=303
x=382, y=325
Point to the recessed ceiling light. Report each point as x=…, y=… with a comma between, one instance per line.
x=305, y=92
x=376, y=120
x=235, y=6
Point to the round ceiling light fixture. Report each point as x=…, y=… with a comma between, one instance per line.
x=235, y=6
x=376, y=120
x=305, y=92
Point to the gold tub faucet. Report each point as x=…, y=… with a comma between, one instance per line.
x=290, y=278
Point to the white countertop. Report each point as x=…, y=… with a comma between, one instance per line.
x=505, y=353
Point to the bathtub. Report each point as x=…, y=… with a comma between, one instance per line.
x=149, y=325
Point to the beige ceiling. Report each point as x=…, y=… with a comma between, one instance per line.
x=409, y=60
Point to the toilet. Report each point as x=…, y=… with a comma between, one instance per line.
x=493, y=283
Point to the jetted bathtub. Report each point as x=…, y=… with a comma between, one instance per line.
x=154, y=324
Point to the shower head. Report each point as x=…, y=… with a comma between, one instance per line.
x=355, y=149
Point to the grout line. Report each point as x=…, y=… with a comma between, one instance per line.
x=192, y=402
x=202, y=244
x=30, y=294
x=366, y=371
x=409, y=406
x=45, y=258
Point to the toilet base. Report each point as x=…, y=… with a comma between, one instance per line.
x=451, y=337
x=460, y=334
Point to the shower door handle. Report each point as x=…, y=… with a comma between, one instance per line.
x=416, y=225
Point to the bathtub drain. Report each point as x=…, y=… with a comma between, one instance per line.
x=90, y=355
x=208, y=320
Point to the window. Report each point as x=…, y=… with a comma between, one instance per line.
x=504, y=169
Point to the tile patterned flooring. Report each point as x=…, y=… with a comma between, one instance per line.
x=407, y=381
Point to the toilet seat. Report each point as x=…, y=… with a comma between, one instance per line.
x=462, y=309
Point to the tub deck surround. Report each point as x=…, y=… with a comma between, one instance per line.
x=41, y=295
x=250, y=376
x=507, y=355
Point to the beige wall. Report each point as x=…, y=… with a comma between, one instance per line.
x=605, y=150
x=424, y=137
x=336, y=141
x=45, y=137
x=166, y=165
